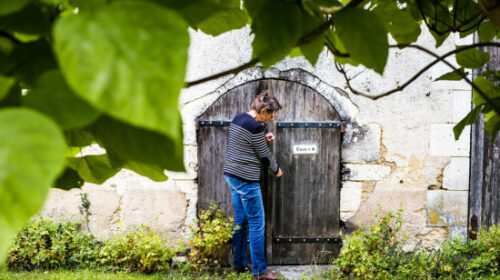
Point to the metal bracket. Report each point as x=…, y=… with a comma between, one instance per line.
x=307, y=240
x=341, y=125
x=213, y=123
x=311, y=124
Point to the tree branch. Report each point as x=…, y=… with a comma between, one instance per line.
x=490, y=102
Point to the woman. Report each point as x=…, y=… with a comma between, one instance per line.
x=247, y=150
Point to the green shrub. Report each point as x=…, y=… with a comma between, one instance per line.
x=141, y=250
x=43, y=244
x=209, y=241
x=378, y=254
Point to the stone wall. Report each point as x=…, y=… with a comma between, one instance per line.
x=397, y=152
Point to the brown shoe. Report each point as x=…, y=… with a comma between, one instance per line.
x=268, y=275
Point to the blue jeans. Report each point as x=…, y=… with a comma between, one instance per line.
x=248, y=210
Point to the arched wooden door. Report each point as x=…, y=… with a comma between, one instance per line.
x=302, y=207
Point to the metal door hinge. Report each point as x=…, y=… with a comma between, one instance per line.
x=307, y=240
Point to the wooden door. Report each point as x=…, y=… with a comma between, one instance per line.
x=304, y=223
x=302, y=207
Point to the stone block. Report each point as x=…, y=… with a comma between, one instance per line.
x=366, y=172
x=442, y=141
x=458, y=231
x=362, y=144
x=461, y=104
x=350, y=196
x=447, y=208
x=163, y=210
x=456, y=174
x=104, y=205
x=62, y=205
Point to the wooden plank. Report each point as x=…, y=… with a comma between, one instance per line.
x=484, y=194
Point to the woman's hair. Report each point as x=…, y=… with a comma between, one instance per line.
x=265, y=100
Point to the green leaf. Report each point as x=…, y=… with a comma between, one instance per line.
x=295, y=52
x=93, y=169
x=469, y=119
x=30, y=20
x=492, y=124
x=367, y=39
x=487, y=87
x=453, y=75
x=31, y=157
x=129, y=59
x=197, y=11
x=312, y=50
x=29, y=61
x=53, y=97
x=78, y=137
x=439, y=38
x=6, y=84
x=399, y=22
x=277, y=29
x=129, y=143
x=472, y=58
x=224, y=21
x=254, y=7
x=154, y=173
x=487, y=31
x=69, y=180
x=10, y=6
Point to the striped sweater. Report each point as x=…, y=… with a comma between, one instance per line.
x=247, y=149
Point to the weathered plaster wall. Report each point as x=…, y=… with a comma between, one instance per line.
x=398, y=151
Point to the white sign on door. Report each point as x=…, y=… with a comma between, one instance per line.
x=303, y=149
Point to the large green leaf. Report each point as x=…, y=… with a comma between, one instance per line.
x=453, y=75
x=5, y=84
x=472, y=58
x=311, y=50
x=469, y=119
x=69, y=180
x=487, y=87
x=153, y=172
x=124, y=143
x=30, y=20
x=31, y=157
x=399, y=22
x=129, y=59
x=223, y=21
x=93, y=169
x=29, y=61
x=53, y=97
x=197, y=11
x=366, y=39
x=487, y=31
x=9, y=6
x=277, y=29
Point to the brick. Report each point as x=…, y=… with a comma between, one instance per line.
x=442, y=141
x=456, y=174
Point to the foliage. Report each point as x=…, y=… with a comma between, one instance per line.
x=379, y=254
x=43, y=244
x=209, y=239
x=110, y=73
x=140, y=250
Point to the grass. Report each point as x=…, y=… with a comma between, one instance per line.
x=87, y=274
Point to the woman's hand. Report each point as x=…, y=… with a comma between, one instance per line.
x=269, y=137
x=279, y=173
